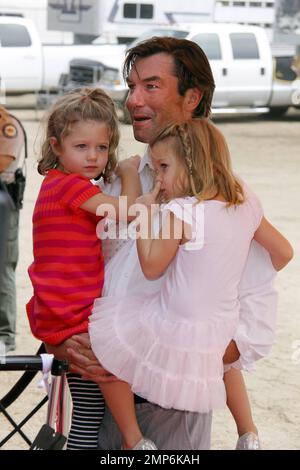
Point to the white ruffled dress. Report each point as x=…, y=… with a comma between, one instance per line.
x=169, y=345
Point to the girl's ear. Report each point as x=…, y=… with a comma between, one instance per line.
x=192, y=98
x=54, y=145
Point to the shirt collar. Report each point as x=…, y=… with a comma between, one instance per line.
x=146, y=160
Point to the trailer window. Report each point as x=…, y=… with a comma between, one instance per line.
x=244, y=46
x=130, y=10
x=138, y=10
x=210, y=43
x=14, y=35
x=146, y=11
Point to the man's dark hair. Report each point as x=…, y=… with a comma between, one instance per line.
x=192, y=67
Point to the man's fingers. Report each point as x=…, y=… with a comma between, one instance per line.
x=100, y=379
x=97, y=378
x=83, y=340
x=83, y=359
x=97, y=370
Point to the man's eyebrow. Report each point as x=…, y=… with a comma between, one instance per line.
x=154, y=78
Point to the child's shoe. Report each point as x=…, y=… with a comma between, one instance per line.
x=145, y=444
x=248, y=441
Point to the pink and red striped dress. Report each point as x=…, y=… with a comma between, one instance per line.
x=67, y=273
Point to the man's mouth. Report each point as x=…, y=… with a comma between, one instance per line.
x=141, y=118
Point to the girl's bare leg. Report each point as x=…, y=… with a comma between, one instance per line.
x=120, y=401
x=238, y=401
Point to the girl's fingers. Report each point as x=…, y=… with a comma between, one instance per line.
x=156, y=189
x=136, y=160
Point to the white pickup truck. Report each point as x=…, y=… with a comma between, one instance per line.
x=28, y=66
x=248, y=78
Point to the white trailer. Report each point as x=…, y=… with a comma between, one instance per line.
x=124, y=19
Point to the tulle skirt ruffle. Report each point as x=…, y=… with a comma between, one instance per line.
x=175, y=364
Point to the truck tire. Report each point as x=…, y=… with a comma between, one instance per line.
x=278, y=112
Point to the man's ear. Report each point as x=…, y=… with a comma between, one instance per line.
x=192, y=98
x=54, y=145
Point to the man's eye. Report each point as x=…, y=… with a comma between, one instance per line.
x=164, y=165
x=151, y=86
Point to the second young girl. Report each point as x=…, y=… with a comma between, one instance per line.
x=169, y=347
x=67, y=273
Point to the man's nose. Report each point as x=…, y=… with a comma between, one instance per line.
x=135, y=98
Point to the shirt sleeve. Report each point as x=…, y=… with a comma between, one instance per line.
x=76, y=190
x=255, y=334
x=255, y=204
x=191, y=213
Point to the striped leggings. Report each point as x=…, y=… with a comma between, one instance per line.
x=88, y=411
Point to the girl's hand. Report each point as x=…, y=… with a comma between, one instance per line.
x=150, y=198
x=129, y=163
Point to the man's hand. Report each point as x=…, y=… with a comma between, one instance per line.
x=60, y=351
x=84, y=362
x=232, y=353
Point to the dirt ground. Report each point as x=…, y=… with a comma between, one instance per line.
x=267, y=155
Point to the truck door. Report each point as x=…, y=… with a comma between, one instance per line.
x=250, y=70
x=21, y=58
x=211, y=44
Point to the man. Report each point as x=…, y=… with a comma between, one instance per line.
x=11, y=144
x=171, y=80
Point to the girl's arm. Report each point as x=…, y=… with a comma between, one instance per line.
x=273, y=241
x=131, y=188
x=155, y=254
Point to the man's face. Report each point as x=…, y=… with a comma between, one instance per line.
x=153, y=100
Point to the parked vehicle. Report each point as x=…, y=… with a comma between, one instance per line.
x=28, y=66
x=248, y=78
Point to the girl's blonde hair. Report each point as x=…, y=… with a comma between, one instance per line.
x=204, y=153
x=81, y=104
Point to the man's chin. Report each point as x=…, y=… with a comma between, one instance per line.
x=142, y=135
x=145, y=134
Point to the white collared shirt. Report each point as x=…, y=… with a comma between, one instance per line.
x=258, y=298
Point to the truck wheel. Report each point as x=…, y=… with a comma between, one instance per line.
x=278, y=112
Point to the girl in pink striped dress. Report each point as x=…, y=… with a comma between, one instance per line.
x=67, y=272
x=168, y=347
